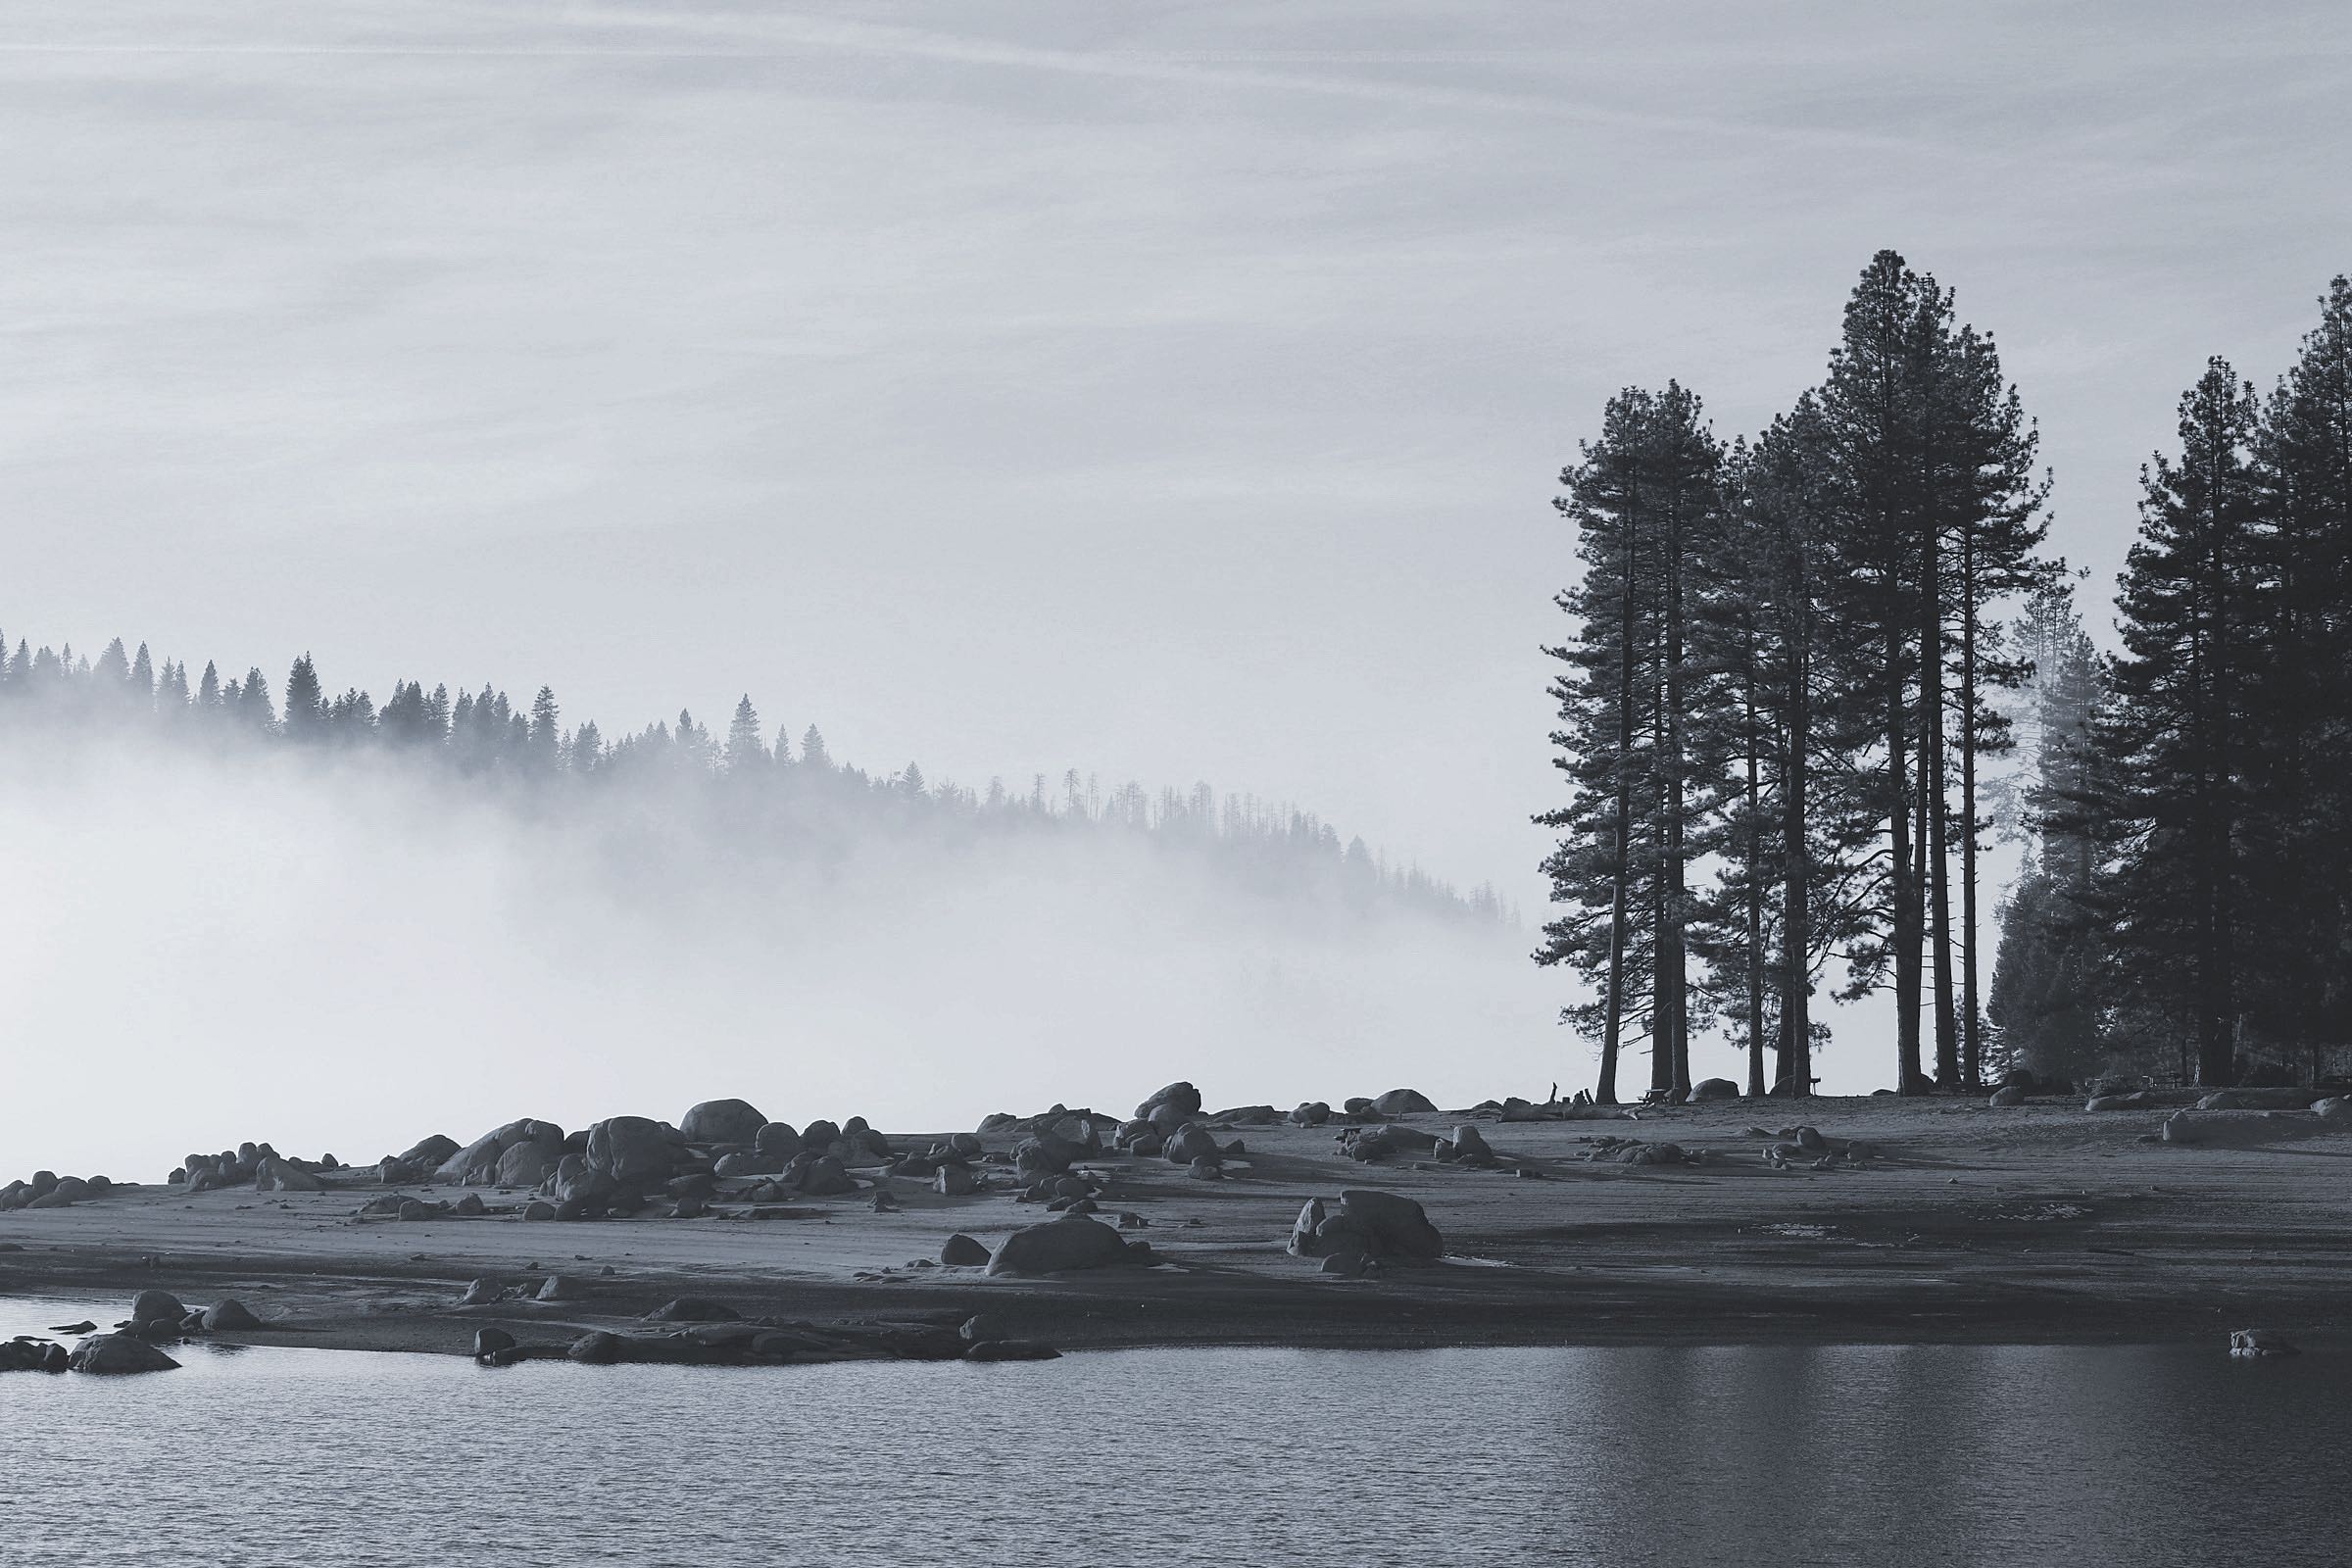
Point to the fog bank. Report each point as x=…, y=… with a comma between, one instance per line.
x=201, y=947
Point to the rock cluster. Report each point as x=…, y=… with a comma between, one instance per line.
x=156, y=1317
x=46, y=1189
x=258, y=1165
x=1640, y=1152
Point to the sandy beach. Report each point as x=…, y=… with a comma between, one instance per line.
x=2035, y=1223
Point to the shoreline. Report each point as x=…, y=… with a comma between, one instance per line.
x=2043, y=1224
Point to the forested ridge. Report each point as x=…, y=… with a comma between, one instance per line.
x=1812, y=674
x=773, y=799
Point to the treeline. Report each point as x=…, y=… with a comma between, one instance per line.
x=1794, y=657
x=2186, y=904
x=772, y=794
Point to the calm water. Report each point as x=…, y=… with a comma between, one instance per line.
x=1857, y=1454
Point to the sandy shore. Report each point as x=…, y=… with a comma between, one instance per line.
x=2037, y=1223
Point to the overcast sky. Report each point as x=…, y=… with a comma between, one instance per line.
x=1170, y=391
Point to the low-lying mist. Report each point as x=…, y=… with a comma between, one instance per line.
x=201, y=945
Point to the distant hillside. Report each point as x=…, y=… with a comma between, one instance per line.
x=771, y=799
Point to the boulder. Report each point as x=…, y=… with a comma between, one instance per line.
x=538, y=1209
x=1404, y=1102
x=746, y=1163
x=2258, y=1343
x=1249, y=1116
x=2180, y=1128
x=1311, y=1113
x=229, y=1315
x=1183, y=1097
x=2338, y=1109
x=1072, y=1241
x=119, y=1355
x=2137, y=1100
x=722, y=1121
x=489, y=1340
x=1191, y=1143
x=633, y=1148
x=156, y=1306
x=561, y=1288
x=1045, y=1154
x=1398, y=1226
x=481, y=1293
x=526, y=1165
x=1148, y=1147
x=284, y=1176
x=597, y=1348
x=428, y=1153
x=954, y=1180
x=962, y=1251
x=826, y=1178
x=477, y=1164
x=778, y=1141
x=1205, y=1169
x=1711, y=1089
x=1468, y=1143
x=819, y=1135
x=2006, y=1096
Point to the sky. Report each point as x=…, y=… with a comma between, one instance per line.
x=1172, y=392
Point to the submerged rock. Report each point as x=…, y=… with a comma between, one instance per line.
x=2259, y=1344
x=119, y=1355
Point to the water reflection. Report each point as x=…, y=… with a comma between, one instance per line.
x=1791, y=1454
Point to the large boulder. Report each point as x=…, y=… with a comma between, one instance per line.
x=156, y=1306
x=2008, y=1095
x=115, y=1354
x=1398, y=1226
x=428, y=1153
x=526, y=1165
x=2337, y=1108
x=1072, y=1241
x=477, y=1164
x=1404, y=1102
x=284, y=1176
x=722, y=1121
x=826, y=1178
x=229, y=1314
x=962, y=1251
x=778, y=1141
x=1182, y=1096
x=1045, y=1154
x=634, y=1149
x=1311, y=1113
x=1711, y=1089
x=1192, y=1142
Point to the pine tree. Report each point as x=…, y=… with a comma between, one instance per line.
x=745, y=756
x=2188, y=588
x=544, y=747
x=306, y=706
x=1646, y=501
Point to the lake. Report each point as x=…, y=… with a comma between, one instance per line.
x=1877, y=1454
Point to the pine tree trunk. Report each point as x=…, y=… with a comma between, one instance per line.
x=1613, y=1028
x=1755, y=901
x=1905, y=933
x=1796, y=872
x=1674, y=947
x=1972, y=1041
